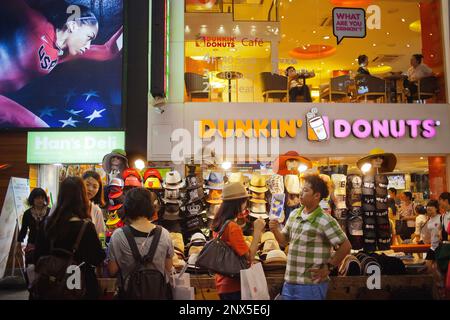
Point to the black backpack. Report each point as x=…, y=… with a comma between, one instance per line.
x=51, y=282
x=144, y=282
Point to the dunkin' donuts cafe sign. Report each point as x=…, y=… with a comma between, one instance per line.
x=320, y=128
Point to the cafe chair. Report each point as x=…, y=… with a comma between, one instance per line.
x=274, y=86
x=427, y=88
x=370, y=88
x=196, y=86
x=337, y=89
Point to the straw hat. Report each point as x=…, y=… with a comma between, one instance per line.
x=236, y=177
x=258, y=184
x=215, y=197
x=195, y=250
x=173, y=180
x=258, y=197
x=270, y=245
x=267, y=236
x=234, y=191
x=276, y=256
x=258, y=208
x=177, y=262
x=389, y=160
x=177, y=240
x=292, y=183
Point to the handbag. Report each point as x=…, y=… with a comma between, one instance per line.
x=220, y=258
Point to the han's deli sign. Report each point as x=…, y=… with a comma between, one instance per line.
x=320, y=128
x=72, y=147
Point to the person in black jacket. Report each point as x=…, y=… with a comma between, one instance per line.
x=62, y=228
x=32, y=221
x=363, y=62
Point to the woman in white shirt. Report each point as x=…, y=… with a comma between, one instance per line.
x=94, y=189
x=421, y=220
x=407, y=216
x=431, y=231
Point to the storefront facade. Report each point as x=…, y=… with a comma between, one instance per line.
x=355, y=126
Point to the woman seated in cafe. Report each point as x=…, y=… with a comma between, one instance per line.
x=297, y=87
x=363, y=62
x=417, y=71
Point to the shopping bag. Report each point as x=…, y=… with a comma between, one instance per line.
x=254, y=284
x=181, y=286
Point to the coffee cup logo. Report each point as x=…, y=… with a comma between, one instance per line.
x=318, y=126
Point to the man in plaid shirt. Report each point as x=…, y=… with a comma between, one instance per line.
x=311, y=235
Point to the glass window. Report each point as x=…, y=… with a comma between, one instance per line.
x=241, y=52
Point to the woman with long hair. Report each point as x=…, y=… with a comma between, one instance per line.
x=37, y=44
x=62, y=228
x=94, y=190
x=235, y=199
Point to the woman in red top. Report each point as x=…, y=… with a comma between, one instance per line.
x=234, y=202
x=31, y=47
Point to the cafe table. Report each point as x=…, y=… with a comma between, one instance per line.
x=229, y=75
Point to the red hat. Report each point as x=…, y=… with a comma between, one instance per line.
x=115, y=193
x=152, y=172
x=131, y=172
x=279, y=165
x=115, y=207
x=132, y=181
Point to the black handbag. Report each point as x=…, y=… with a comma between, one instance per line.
x=218, y=257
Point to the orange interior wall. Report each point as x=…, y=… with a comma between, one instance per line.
x=438, y=176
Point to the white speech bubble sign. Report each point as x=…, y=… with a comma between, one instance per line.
x=349, y=23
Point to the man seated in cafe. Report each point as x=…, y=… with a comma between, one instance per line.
x=363, y=62
x=296, y=86
x=417, y=71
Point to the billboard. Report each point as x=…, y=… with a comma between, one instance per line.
x=61, y=64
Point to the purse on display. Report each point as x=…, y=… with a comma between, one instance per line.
x=220, y=258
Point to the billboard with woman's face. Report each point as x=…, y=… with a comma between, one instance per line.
x=61, y=64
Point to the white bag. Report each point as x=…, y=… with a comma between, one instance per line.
x=181, y=286
x=31, y=274
x=254, y=283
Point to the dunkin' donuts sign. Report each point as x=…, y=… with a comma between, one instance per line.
x=320, y=128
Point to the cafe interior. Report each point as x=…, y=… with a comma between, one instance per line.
x=238, y=50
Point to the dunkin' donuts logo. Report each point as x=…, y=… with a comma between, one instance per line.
x=318, y=127
x=215, y=42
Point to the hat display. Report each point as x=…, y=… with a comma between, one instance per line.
x=172, y=196
x=212, y=210
x=354, y=182
x=277, y=207
x=292, y=183
x=115, y=192
x=269, y=245
x=195, y=249
x=339, y=183
x=131, y=172
x=172, y=212
x=195, y=223
x=215, y=181
x=355, y=225
x=132, y=181
x=258, y=210
x=236, y=177
x=388, y=164
x=152, y=172
x=234, y=191
x=177, y=240
x=198, y=238
x=215, y=197
x=368, y=203
x=368, y=186
x=276, y=257
x=119, y=153
x=340, y=202
x=279, y=165
x=173, y=181
x=195, y=195
x=258, y=184
x=258, y=197
x=117, y=183
x=194, y=208
x=276, y=184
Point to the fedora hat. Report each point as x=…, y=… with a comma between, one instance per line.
x=234, y=191
x=173, y=180
x=267, y=236
x=172, y=212
x=258, y=208
x=388, y=164
x=270, y=245
x=215, y=181
x=152, y=183
x=276, y=256
x=258, y=184
x=276, y=184
x=292, y=183
x=279, y=165
x=215, y=197
x=258, y=197
x=198, y=238
x=119, y=153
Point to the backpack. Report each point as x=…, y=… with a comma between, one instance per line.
x=51, y=282
x=144, y=282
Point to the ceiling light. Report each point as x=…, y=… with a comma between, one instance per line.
x=302, y=168
x=226, y=165
x=314, y=31
x=403, y=20
x=408, y=46
x=374, y=45
x=139, y=164
x=326, y=38
x=421, y=158
x=187, y=29
x=388, y=33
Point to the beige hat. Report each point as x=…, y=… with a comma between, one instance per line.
x=234, y=191
x=236, y=177
x=258, y=184
x=292, y=183
x=276, y=257
x=258, y=197
x=258, y=208
x=195, y=250
x=177, y=240
x=267, y=236
x=270, y=245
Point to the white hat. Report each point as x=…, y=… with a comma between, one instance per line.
x=173, y=180
x=258, y=207
x=198, y=237
x=270, y=245
x=292, y=183
x=276, y=256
